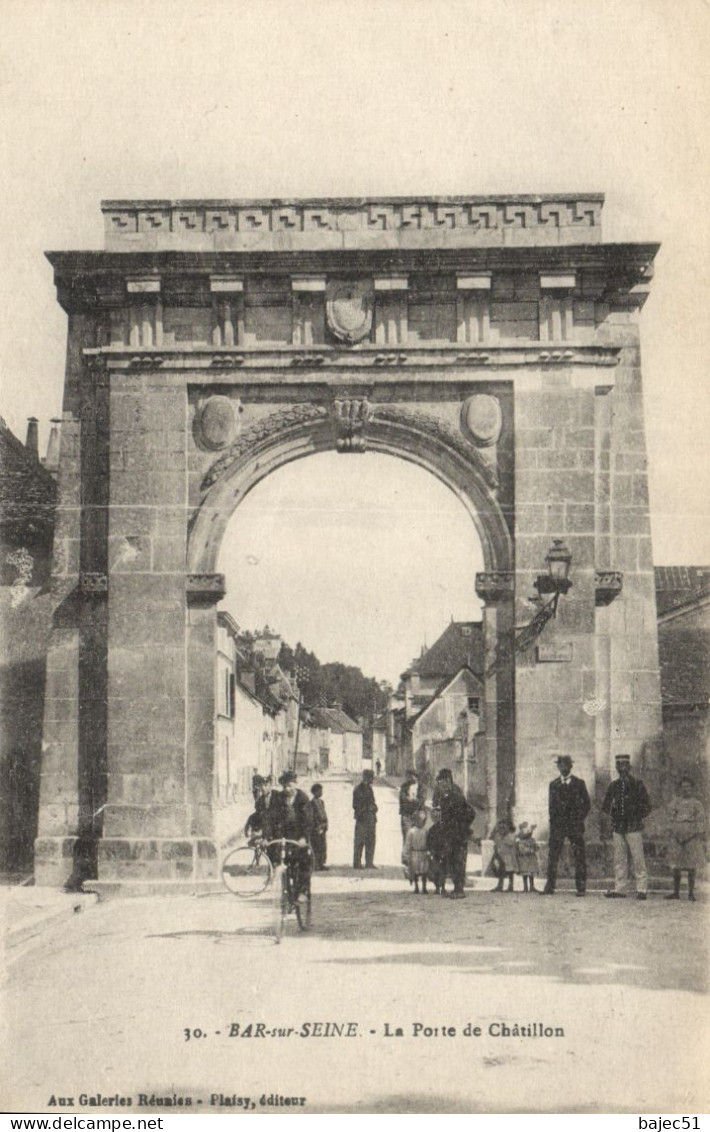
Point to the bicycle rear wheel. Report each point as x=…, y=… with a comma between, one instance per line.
x=246, y=872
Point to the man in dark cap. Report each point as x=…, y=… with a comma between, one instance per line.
x=365, y=811
x=294, y=814
x=266, y=811
x=569, y=804
x=455, y=821
x=627, y=804
x=293, y=820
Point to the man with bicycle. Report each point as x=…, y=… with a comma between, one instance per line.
x=293, y=819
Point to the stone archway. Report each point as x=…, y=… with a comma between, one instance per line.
x=298, y=431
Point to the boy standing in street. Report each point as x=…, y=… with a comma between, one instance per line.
x=319, y=842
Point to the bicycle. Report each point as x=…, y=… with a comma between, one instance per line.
x=249, y=871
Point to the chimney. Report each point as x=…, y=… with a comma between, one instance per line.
x=248, y=681
x=32, y=442
x=51, y=460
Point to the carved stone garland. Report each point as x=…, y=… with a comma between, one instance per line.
x=262, y=430
x=352, y=418
x=430, y=426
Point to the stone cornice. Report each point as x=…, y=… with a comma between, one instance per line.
x=133, y=261
x=96, y=280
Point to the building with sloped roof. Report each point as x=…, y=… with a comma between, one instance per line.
x=459, y=650
x=333, y=741
x=256, y=713
x=683, y=605
x=443, y=734
x=459, y=646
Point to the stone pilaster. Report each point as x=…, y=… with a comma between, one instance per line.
x=554, y=498
x=635, y=724
x=68, y=785
x=150, y=819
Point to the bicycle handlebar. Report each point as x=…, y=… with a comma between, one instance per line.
x=282, y=841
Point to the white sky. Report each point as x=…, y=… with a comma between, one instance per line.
x=364, y=97
x=364, y=575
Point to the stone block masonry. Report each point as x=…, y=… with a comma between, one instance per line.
x=491, y=340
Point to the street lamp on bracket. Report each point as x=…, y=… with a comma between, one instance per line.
x=556, y=581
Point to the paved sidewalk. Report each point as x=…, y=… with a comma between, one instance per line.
x=27, y=910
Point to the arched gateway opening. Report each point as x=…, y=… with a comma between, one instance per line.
x=286, y=435
x=493, y=342
x=361, y=561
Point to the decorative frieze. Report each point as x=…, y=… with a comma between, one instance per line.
x=511, y=357
x=562, y=218
x=608, y=585
x=493, y=587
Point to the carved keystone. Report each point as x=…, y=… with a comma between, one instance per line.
x=351, y=417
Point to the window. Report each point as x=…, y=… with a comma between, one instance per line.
x=228, y=693
x=474, y=704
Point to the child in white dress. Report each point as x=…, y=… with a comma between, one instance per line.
x=414, y=852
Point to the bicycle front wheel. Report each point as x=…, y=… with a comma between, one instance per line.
x=246, y=872
x=303, y=909
x=280, y=904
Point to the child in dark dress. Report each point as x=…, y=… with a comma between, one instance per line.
x=504, y=857
x=437, y=852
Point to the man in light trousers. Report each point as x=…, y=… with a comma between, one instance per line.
x=627, y=804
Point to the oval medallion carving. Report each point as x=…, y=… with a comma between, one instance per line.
x=482, y=419
x=219, y=422
x=349, y=310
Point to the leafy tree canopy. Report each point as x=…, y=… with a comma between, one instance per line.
x=322, y=685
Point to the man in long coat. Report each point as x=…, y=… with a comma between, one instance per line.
x=365, y=811
x=569, y=804
x=456, y=818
